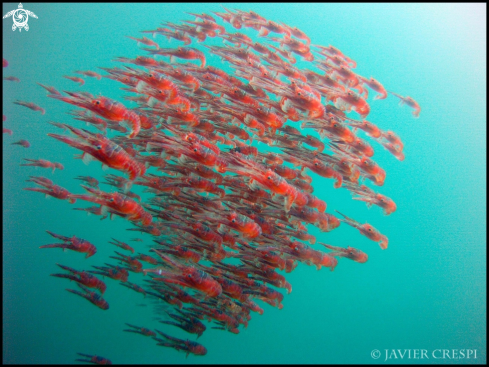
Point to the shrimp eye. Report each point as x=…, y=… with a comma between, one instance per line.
x=351, y=253
x=98, y=147
x=316, y=164
x=269, y=177
x=189, y=276
x=370, y=229
x=97, y=102
x=111, y=199
x=233, y=220
x=195, y=149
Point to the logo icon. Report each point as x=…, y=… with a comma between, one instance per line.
x=20, y=17
x=375, y=354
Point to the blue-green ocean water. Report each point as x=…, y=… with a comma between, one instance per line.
x=426, y=291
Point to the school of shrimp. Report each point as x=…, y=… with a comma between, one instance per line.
x=227, y=219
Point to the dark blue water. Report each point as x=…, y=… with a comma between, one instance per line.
x=427, y=291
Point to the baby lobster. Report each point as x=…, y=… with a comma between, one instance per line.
x=372, y=198
x=93, y=297
x=351, y=101
x=42, y=163
x=264, y=176
x=368, y=231
x=82, y=277
x=112, y=271
x=50, y=189
x=187, y=276
x=179, y=344
x=122, y=245
x=376, y=86
x=187, y=53
x=241, y=223
x=349, y=252
x=134, y=287
x=93, y=182
x=410, y=102
x=106, y=108
x=102, y=149
x=119, y=203
x=22, y=142
x=139, y=330
x=186, y=322
x=32, y=106
x=72, y=243
x=132, y=261
x=93, y=359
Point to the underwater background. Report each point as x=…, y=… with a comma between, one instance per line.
x=426, y=291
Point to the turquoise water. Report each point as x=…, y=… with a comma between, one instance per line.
x=427, y=291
